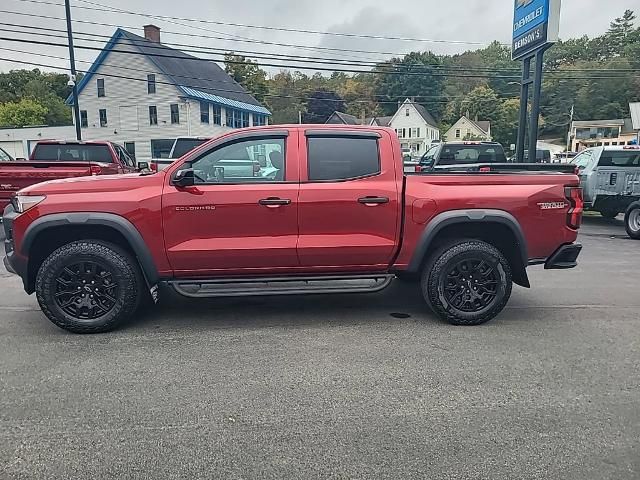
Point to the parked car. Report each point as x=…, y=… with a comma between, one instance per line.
x=52, y=160
x=610, y=178
x=340, y=216
x=5, y=157
x=181, y=145
x=461, y=153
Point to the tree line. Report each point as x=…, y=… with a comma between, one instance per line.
x=596, y=77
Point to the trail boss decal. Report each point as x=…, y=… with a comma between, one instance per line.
x=552, y=205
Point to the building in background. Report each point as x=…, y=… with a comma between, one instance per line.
x=467, y=129
x=415, y=127
x=143, y=94
x=597, y=133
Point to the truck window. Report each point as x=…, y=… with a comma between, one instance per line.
x=461, y=154
x=620, y=158
x=248, y=161
x=124, y=156
x=428, y=157
x=582, y=159
x=342, y=158
x=4, y=156
x=185, y=145
x=72, y=153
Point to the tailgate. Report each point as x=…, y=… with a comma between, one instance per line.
x=15, y=176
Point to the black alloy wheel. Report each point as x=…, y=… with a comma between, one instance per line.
x=471, y=285
x=86, y=290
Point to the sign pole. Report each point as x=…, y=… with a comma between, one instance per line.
x=524, y=97
x=535, y=107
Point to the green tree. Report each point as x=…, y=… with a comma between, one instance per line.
x=22, y=113
x=321, y=104
x=504, y=128
x=248, y=74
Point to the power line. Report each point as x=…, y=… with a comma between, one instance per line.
x=381, y=68
x=100, y=8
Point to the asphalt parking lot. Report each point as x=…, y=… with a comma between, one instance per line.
x=367, y=386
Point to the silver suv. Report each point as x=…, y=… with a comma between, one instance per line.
x=610, y=179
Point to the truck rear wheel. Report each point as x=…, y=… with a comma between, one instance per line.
x=467, y=282
x=89, y=286
x=632, y=220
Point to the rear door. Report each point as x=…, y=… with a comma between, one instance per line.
x=229, y=224
x=618, y=172
x=350, y=200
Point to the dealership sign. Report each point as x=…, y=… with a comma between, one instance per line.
x=535, y=25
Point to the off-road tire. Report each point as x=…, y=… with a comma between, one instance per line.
x=438, y=267
x=124, y=272
x=631, y=219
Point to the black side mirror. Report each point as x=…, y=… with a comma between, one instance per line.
x=184, y=177
x=143, y=166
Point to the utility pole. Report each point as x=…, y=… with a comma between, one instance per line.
x=299, y=116
x=72, y=60
x=569, y=132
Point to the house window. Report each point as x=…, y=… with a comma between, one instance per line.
x=130, y=147
x=406, y=112
x=151, y=83
x=457, y=133
x=153, y=115
x=259, y=120
x=100, y=84
x=103, y=117
x=414, y=133
x=244, y=119
x=84, y=121
x=175, y=113
x=217, y=115
x=237, y=119
x=204, y=112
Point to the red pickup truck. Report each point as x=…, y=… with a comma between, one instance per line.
x=335, y=213
x=53, y=159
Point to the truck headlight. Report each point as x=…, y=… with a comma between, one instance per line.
x=22, y=203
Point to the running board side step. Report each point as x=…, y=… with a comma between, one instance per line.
x=241, y=287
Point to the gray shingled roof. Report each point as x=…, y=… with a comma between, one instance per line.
x=426, y=115
x=483, y=125
x=186, y=70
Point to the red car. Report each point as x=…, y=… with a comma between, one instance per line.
x=336, y=213
x=52, y=160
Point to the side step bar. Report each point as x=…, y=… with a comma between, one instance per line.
x=241, y=287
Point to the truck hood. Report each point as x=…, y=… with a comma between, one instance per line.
x=94, y=184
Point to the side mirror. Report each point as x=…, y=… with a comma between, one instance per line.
x=21, y=159
x=184, y=178
x=143, y=166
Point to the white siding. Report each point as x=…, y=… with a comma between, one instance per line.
x=127, y=103
x=466, y=128
x=414, y=120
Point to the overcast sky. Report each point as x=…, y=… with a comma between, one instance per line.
x=459, y=20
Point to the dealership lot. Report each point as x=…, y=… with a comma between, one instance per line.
x=369, y=386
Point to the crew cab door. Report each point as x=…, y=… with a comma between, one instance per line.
x=232, y=222
x=350, y=200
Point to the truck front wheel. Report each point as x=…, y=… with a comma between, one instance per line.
x=467, y=282
x=632, y=220
x=89, y=286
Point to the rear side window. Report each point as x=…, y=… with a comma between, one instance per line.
x=342, y=158
x=72, y=153
x=620, y=158
x=461, y=154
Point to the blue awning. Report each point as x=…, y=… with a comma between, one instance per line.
x=209, y=97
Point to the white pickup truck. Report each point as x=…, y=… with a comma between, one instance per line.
x=610, y=179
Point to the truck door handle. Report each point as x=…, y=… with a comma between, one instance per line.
x=274, y=202
x=373, y=200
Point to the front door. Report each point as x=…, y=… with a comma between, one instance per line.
x=241, y=215
x=349, y=202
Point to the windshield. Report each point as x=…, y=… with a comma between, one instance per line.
x=4, y=156
x=582, y=159
x=72, y=153
x=185, y=145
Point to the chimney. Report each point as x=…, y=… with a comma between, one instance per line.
x=152, y=33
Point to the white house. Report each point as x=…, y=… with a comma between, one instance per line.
x=467, y=129
x=143, y=95
x=415, y=127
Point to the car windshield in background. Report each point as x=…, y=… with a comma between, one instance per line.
x=72, y=153
x=461, y=154
x=4, y=156
x=186, y=145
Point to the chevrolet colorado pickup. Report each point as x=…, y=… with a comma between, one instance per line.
x=52, y=159
x=339, y=215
